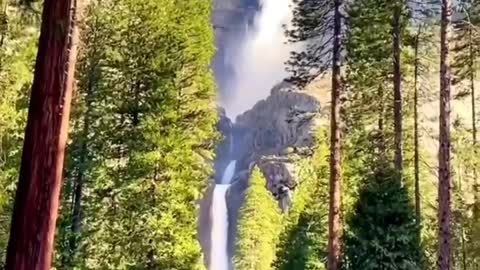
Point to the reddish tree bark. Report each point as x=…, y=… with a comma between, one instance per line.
x=444, y=166
x=335, y=222
x=397, y=84
x=41, y=173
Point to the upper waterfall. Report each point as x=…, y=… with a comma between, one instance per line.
x=256, y=59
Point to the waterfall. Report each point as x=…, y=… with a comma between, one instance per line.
x=219, y=258
x=255, y=64
x=259, y=62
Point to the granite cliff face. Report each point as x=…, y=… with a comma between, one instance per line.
x=272, y=135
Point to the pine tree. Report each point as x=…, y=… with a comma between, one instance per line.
x=17, y=57
x=304, y=239
x=313, y=22
x=150, y=142
x=466, y=62
x=259, y=227
x=335, y=223
x=85, y=156
x=464, y=230
x=423, y=46
x=376, y=67
x=416, y=135
x=397, y=82
x=444, y=154
x=382, y=231
x=369, y=67
x=372, y=109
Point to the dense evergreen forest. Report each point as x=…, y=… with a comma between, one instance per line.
x=110, y=136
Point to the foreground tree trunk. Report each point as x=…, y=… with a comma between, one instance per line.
x=444, y=166
x=37, y=198
x=335, y=222
x=397, y=84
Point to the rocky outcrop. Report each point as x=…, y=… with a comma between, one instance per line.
x=278, y=131
x=280, y=175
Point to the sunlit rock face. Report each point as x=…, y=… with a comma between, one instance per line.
x=280, y=174
x=281, y=121
x=277, y=132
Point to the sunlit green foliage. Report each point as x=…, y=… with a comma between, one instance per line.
x=465, y=200
x=303, y=240
x=147, y=96
x=259, y=227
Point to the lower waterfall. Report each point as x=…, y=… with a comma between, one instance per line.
x=219, y=258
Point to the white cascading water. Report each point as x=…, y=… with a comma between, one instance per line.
x=219, y=259
x=259, y=64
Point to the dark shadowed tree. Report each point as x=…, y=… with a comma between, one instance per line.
x=382, y=230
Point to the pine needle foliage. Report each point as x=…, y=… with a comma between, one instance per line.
x=259, y=226
x=382, y=233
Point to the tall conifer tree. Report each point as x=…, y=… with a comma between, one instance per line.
x=397, y=82
x=148, y=93
x=444, y=166
x=466, y=66
x=319, y=23
x=41, y=173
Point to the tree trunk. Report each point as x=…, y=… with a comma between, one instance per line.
x=464, y=248
x=476, y=189
x=3, y=23
x=335, y=222
x=444, y=166
x=416, y=135
x=78, y=190
x=76, y=226
x=381, y=142
x=472, y=84
x=37, y=198
x=397, y=84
